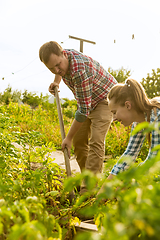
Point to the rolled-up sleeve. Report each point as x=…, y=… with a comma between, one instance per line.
x=80, y=117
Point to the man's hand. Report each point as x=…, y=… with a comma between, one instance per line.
x=52, y=87
x=67, y=143
x=56, y=83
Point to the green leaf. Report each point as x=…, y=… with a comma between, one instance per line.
x=52, y=193
x=139, y=127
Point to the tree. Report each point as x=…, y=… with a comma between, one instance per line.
x=120, y=75
x=10, y=96
x=152, y=84
x=31, y=99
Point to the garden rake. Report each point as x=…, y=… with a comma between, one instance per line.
x=66, y=157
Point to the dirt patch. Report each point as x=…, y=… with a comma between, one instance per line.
x=58, y=157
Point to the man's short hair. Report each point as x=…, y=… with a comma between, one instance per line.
x=47, y=49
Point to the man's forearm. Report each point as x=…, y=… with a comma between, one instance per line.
x=74, y=128
x=57, y=79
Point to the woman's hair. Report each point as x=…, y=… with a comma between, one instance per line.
x=132, y=91
x=47, y=49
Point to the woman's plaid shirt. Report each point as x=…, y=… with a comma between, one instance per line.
x=89, y=82
x=135, y=144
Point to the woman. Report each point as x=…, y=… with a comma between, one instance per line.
x=130, y=105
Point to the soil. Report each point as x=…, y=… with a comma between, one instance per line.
x=58, y=157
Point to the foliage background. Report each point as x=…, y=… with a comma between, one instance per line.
x=34, y=191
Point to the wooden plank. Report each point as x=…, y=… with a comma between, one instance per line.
x=84, y=226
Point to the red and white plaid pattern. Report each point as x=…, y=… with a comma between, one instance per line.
x=88, y=80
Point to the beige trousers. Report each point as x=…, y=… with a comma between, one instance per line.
x=89, y=141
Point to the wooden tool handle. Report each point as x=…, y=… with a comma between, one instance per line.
x=67, y=162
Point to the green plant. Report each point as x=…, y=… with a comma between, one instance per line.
x=131, y=206
x=152, y=83
x=116, y=139
x=120, y=75
x=34, y=191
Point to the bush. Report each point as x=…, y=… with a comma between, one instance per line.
x=34, y=201
x=116, y=139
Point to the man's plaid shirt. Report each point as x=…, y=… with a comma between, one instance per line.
x=135, y=144
x=89, y=82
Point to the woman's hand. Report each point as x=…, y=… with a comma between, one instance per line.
x=110, y=177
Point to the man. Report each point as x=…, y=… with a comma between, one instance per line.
x=90, y=84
